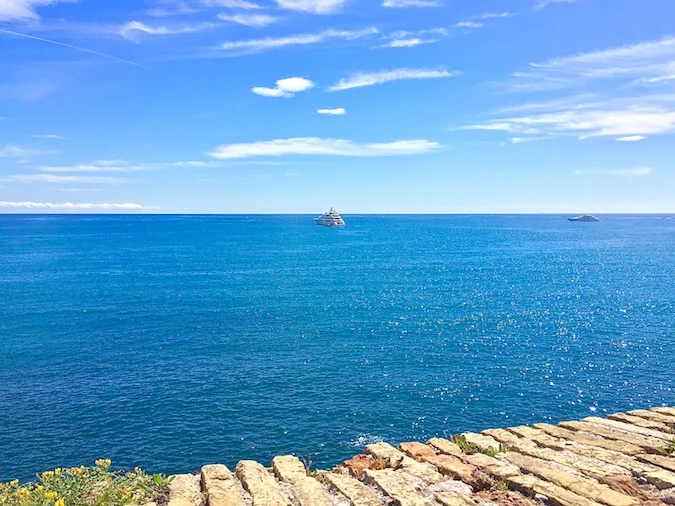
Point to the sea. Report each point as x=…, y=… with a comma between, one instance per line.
x=171, y=342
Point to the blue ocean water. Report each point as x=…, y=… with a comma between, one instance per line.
x=175, y=341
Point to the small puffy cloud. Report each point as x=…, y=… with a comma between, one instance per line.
x=362, y=79
x=337, y=111
x=402, y=4
x=285, y=88
x=246, y=19
x=14, y=151
x=317, y=146
x=70, y=205
x=634, y=172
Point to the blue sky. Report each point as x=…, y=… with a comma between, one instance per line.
x=293, y=106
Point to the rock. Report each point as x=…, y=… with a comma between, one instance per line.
x=289, y=469
x=417, y=450
x=509, y=438
x=452, y=466
x=665, y=411
x=590, y=489
x=260, y=484
x=648, y=444
x=450, y=499
x=640, y=422
x=220, y=487
x=494, y=467
x=356, y=492
x=653, y=415
x=482, y=441
x=394, y=459
x=537, y=436
x=589, y=439
x=184, y=490
x=554, y=493
x=360, y=463
x=309, y=492
x=629, y=429
x=444, y=446
x=659, y=460
x=396, y=486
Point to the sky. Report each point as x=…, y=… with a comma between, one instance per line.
x=369, y=106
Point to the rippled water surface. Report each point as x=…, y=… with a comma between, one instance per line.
x=171, y=342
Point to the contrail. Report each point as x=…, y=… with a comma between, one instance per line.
x=49, y=41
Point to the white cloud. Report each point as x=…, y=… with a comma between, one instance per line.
x=631, y=138
x=68, y=205
x=318, y=146
x=267, y=43
x=252, y=20
x=285, y=87
x=50, y=137
x=23, y=9
x=647, y=61
x=545, y=3
x=53, y=178
x=362, y=79
x=313, y=6
x=14, y=151
x=494, y=15
x=98, y=166
x=402, y=4
x=634, y=172
x=233, y=4
x=412, y=39
x=133, y=29
x=468, y=24
x=337, y=111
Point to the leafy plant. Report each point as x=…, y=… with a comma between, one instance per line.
x=307, y=462
x=464, y=445
x=669, y=448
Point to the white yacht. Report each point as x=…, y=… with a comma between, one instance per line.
x=330, y=219
x=585, y=217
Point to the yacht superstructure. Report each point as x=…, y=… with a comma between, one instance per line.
x=330, y=219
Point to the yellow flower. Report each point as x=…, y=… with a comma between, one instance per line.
x=23, y=493
x=48, y=474
x=60, y=502
x=39, y=489
x=57, y=471
x=103, y=463
x=51, y=495
x=126, y=492
x=13, y=483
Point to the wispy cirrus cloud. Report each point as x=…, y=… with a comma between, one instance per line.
x=362, y=79
x=49, y=137
x=269, y=43
x=97, y=166
x=469, y=24
x=70, y=205
x=11, y=10
x=631, y=138
x=247, y=19
x=135, y=30
x=312, y=6
x=285, y=88
x=540, y=4
x=404, y=38
x=15, y=151
x=403, y=4
x=337, y=111
x=624, y=172
x=59, y=179
x=321, y=147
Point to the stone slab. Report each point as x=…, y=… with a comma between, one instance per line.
x=451, y=499
x=220, y=487
x=482, y=441
x=185, y=490
x=289, y=469
x=648, y=444
x=452, y=466
x=417, y=450
x=444, y=446
x=659, y=460
x=559, y=495
x=394, y=459
x=537, y=436
x=665, y=411
x=309, y=492
x=589, y=439
x=509, y=438
x=627, y=427
x=260, y=484
x=641, y=422
x=590, y=489
x=354, y=491
x=653, y=415
x=394, y=485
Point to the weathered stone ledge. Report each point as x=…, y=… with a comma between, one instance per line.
x=627, y=459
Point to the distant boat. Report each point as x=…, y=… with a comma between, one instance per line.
x=585, y=217
x=330, y=219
